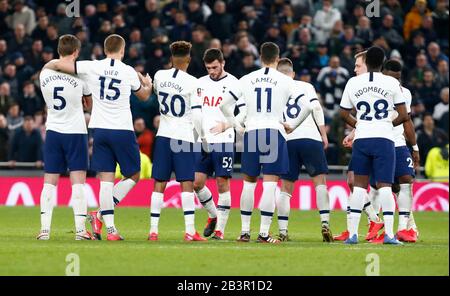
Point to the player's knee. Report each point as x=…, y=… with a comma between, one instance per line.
x=198, y=186
x=222, y=185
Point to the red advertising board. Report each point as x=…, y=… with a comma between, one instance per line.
x=26, y=191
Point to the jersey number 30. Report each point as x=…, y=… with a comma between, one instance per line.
x=165, y=107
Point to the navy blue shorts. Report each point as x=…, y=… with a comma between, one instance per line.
x=115, y=146
x=309, y=153
x=264, y=150
x=218, y=162
x=65, y=151
x=404, y=165
x=177, y=157
x=350, y=165
x=374, y=156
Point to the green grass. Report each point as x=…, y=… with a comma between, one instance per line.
x=22, y=254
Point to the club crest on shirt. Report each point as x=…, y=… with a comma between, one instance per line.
x=199, y=92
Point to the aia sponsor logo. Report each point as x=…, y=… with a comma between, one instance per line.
x=212, y=101
x=431, y=197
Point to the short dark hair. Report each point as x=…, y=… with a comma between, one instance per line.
x=180, y=49
x=393, y=66
x=375, y=57
x=213, y=54
x=114, y=43
x=269, y=52
x=285, y=62
x=68, y=44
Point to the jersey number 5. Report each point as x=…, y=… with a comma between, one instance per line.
x=58, y=97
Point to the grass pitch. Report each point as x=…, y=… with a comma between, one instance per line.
x=22, y=254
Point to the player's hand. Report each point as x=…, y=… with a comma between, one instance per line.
x=325, y=141
x=219, y=128
x=287, y=128
x=416, y=159
x=146, y=80
x=348, y=141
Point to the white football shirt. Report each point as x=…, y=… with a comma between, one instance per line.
x=111, y=83
x=399, y=137
x=214, y=94
x=307, y=129
x=374, y=96
x=265, y=93
x=178, y=93
x=63, y=95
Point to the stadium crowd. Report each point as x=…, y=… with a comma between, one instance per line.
x=320, y=37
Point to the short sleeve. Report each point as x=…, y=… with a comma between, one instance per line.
x=83, y=67
x=196, y=95
x=134, y=81
x=311, y=93
x=86, y=90
x=398, y=95
x=346, y=102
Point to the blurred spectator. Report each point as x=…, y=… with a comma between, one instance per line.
x=40, y=32
x=414, y=18
x=429, y=136
x=24, y=71
x=22, y=15
x=104, y=31
x=256, y=25
x=144, y=136
x=3, y=52
x=273, y=34
x=332, y=80
x=3, y=17
x=10, y=76
x=91, y=20
x=19, y=41
x=86, y=45
x=394, y=7
x=120, y=27
x=14, y=118
x=324, y=20
x=428, y=91
x=441, y=110
x=145, y=16
x=364, y=31
x=52, y=38
x=248, y=64
x=61, y=20
x=436, y=164
x=416, y=76
x=442, y=76
x=182, y=29
x=30, y=102
x=26, y=144
x=34, y=57
x=4, y=137
x=154, y=30
x=39, y=124
x=6, y=100
x=387, y=30
x=220, y=23
x=440, y=18
x=435, y=55
x=195, y=13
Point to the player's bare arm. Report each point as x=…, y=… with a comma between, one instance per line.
x=410, y=135
x=62, y=65
x=145, y=90
x=348, y=117
x=402, y=115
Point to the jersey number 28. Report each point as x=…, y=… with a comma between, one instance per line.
x=380, y=107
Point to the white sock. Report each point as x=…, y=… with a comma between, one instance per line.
x=404, y=202
x=283, y=202
x=155, y=210
x=356, y=203
x=247, y=201
x=374, y=199
x=121, y=190
x=348, y=209
x=79, y=205
x=388, y=206
x=206, y=199
x=267, y=207
x=323, y=203
x=411, y=222
x=223, y=210
x=107, y=205
x=188, y=204
x=47, y=203
x=369, y=210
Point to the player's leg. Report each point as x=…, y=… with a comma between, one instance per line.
x=251, y=169
x=361, y=163
x=350, y=182
x=275, y=162
x=79, y=205
x=161, y=171
x=47, y=202
x=222, y=161
x=323, y=204
x=404, y=173
x=76, y=151
x=223, y=206
x=384, y=170
x=203, y=169
x=283, y=203
x=183, y=165
x=375, y=223
x=55, y=163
